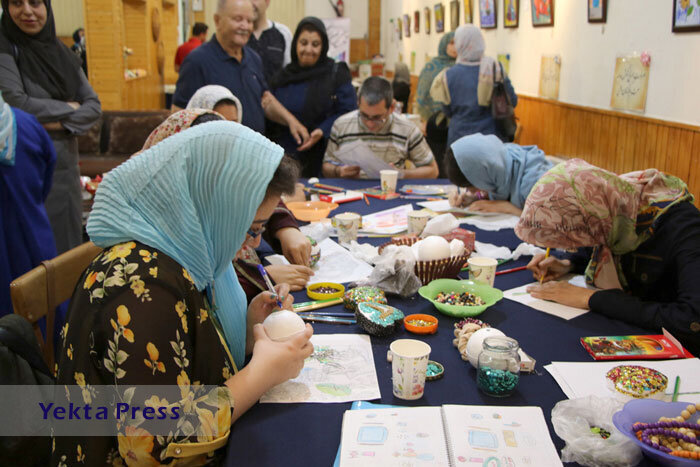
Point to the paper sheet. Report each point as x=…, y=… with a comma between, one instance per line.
x=358, y=153
x=336, y=264
x=491, y=222
x=444, y=206
x=388, y=222
x=341, y=369
x=520, y=295
x=581, y=379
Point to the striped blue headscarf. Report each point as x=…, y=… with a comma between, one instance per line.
x=193, y=196
x=8, y=134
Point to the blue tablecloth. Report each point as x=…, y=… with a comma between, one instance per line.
x=308, y=434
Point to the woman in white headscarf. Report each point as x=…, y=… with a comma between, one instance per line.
x=465, y=89
x=220, y=100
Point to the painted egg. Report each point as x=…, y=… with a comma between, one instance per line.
x=476, y=343
x=378, y=319
x=283, y=324
x=433, y=248
x=315, y=252
x=456, y=247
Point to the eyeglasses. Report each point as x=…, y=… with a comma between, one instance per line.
x=381, y=119
x=257, y=232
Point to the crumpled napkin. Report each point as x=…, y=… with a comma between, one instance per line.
x=440, y=225
x=364, y=251
x=394, y=271
x=501, y=252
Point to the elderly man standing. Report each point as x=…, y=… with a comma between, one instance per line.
x=271, y=40
x=227, y=61
x=391, y=137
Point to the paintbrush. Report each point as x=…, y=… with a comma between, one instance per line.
x=327, y=319
x=316, y=304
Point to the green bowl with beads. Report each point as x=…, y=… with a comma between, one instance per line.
x=487, y=293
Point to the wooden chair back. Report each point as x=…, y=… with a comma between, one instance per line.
x=36, y=293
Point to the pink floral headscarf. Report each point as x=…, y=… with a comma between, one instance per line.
x=174, y=124
x=576, y=204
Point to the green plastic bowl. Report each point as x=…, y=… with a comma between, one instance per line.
x=486, y=292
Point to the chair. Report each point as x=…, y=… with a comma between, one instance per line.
x=36, y=293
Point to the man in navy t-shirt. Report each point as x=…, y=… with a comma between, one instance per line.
x=227, y=61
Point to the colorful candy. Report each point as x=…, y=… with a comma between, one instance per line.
x=459, y=299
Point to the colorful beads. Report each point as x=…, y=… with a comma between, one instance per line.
x=363, y=294
x=420, y=323
x=459, y=299
x=637, y=381
x=674, y=436
x=496, y=382
x=326, y=290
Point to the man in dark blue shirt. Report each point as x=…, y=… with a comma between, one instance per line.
x=225, y=60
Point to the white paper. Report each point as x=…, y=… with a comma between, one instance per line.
x=481, y=433
x=581, y=379
x=492, y=251
x=491, y=222
x=388, y=222
x=444, y=206
x=358, y=153
x=393, y=437
x=341, y=369
x=520, y=295
x=336, y=264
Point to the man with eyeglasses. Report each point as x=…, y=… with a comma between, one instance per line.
x=391, y=137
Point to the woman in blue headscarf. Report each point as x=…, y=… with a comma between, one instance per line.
x=161, y=304
x=499, y=175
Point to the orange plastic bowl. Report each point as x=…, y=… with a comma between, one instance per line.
x=311, y=211
x=430, y=324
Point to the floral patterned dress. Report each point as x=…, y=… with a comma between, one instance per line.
x=136, y=319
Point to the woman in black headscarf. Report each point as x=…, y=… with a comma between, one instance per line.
x=40, y=75
x=316, y=89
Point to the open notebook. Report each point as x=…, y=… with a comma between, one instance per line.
x=451, y=435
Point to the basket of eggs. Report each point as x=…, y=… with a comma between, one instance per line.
x=436, y=258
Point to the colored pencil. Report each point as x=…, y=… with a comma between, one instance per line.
x=318, y=190
x=506, y=271
x=316, y=304
x=312, y=313
x=676, y=387
x=546, y=255
x=329, y=187
x=366, y=199
x=424, y=198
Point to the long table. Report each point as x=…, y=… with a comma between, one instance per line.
x=309, y=434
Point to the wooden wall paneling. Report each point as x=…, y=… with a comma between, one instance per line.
x=648, y=155
x=597, y=141
x=685, y=145
x=670, y=164
x=661, y=146
x=374, y=27
x=169, y=35
x=104, y=29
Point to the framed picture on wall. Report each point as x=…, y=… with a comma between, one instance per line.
x=197, y=5
x=416, y=21
x=686, y=15
x=542, y=13
x=511, y=13
x=597, y=11
x=468, y=17
x=399, y=27
x=406, y=26
x=426, y=14
x=487, y=14
x=439, y=18
x=454, y=14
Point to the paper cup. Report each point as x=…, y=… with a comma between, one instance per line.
x=417, y=221
x=409, y=361
x=347, y=224
x=482, y=269
x=388, y=179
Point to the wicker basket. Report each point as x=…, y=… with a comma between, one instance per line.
x=428, y=271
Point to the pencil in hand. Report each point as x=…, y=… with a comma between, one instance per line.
x=546, y=255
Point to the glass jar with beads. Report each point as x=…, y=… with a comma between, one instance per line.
x=498, y=369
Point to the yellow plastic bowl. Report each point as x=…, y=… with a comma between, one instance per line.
x=311, y=211
x=313, y=295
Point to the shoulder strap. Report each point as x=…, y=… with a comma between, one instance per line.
x=18, y=345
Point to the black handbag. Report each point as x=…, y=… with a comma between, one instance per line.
x=502, y=109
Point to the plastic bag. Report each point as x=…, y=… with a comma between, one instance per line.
x=573, y=420
x=394, y=272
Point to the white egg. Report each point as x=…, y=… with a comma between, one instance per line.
x=414, y=248
x=432, y=248
x=456, y=247
x=313, y=180
x=476, y=343
x=283, y=324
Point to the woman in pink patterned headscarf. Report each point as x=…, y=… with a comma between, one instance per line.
x=640, y=239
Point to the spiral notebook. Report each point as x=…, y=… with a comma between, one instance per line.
x=451, y=435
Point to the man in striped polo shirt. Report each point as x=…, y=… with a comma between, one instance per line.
x=391, y=137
